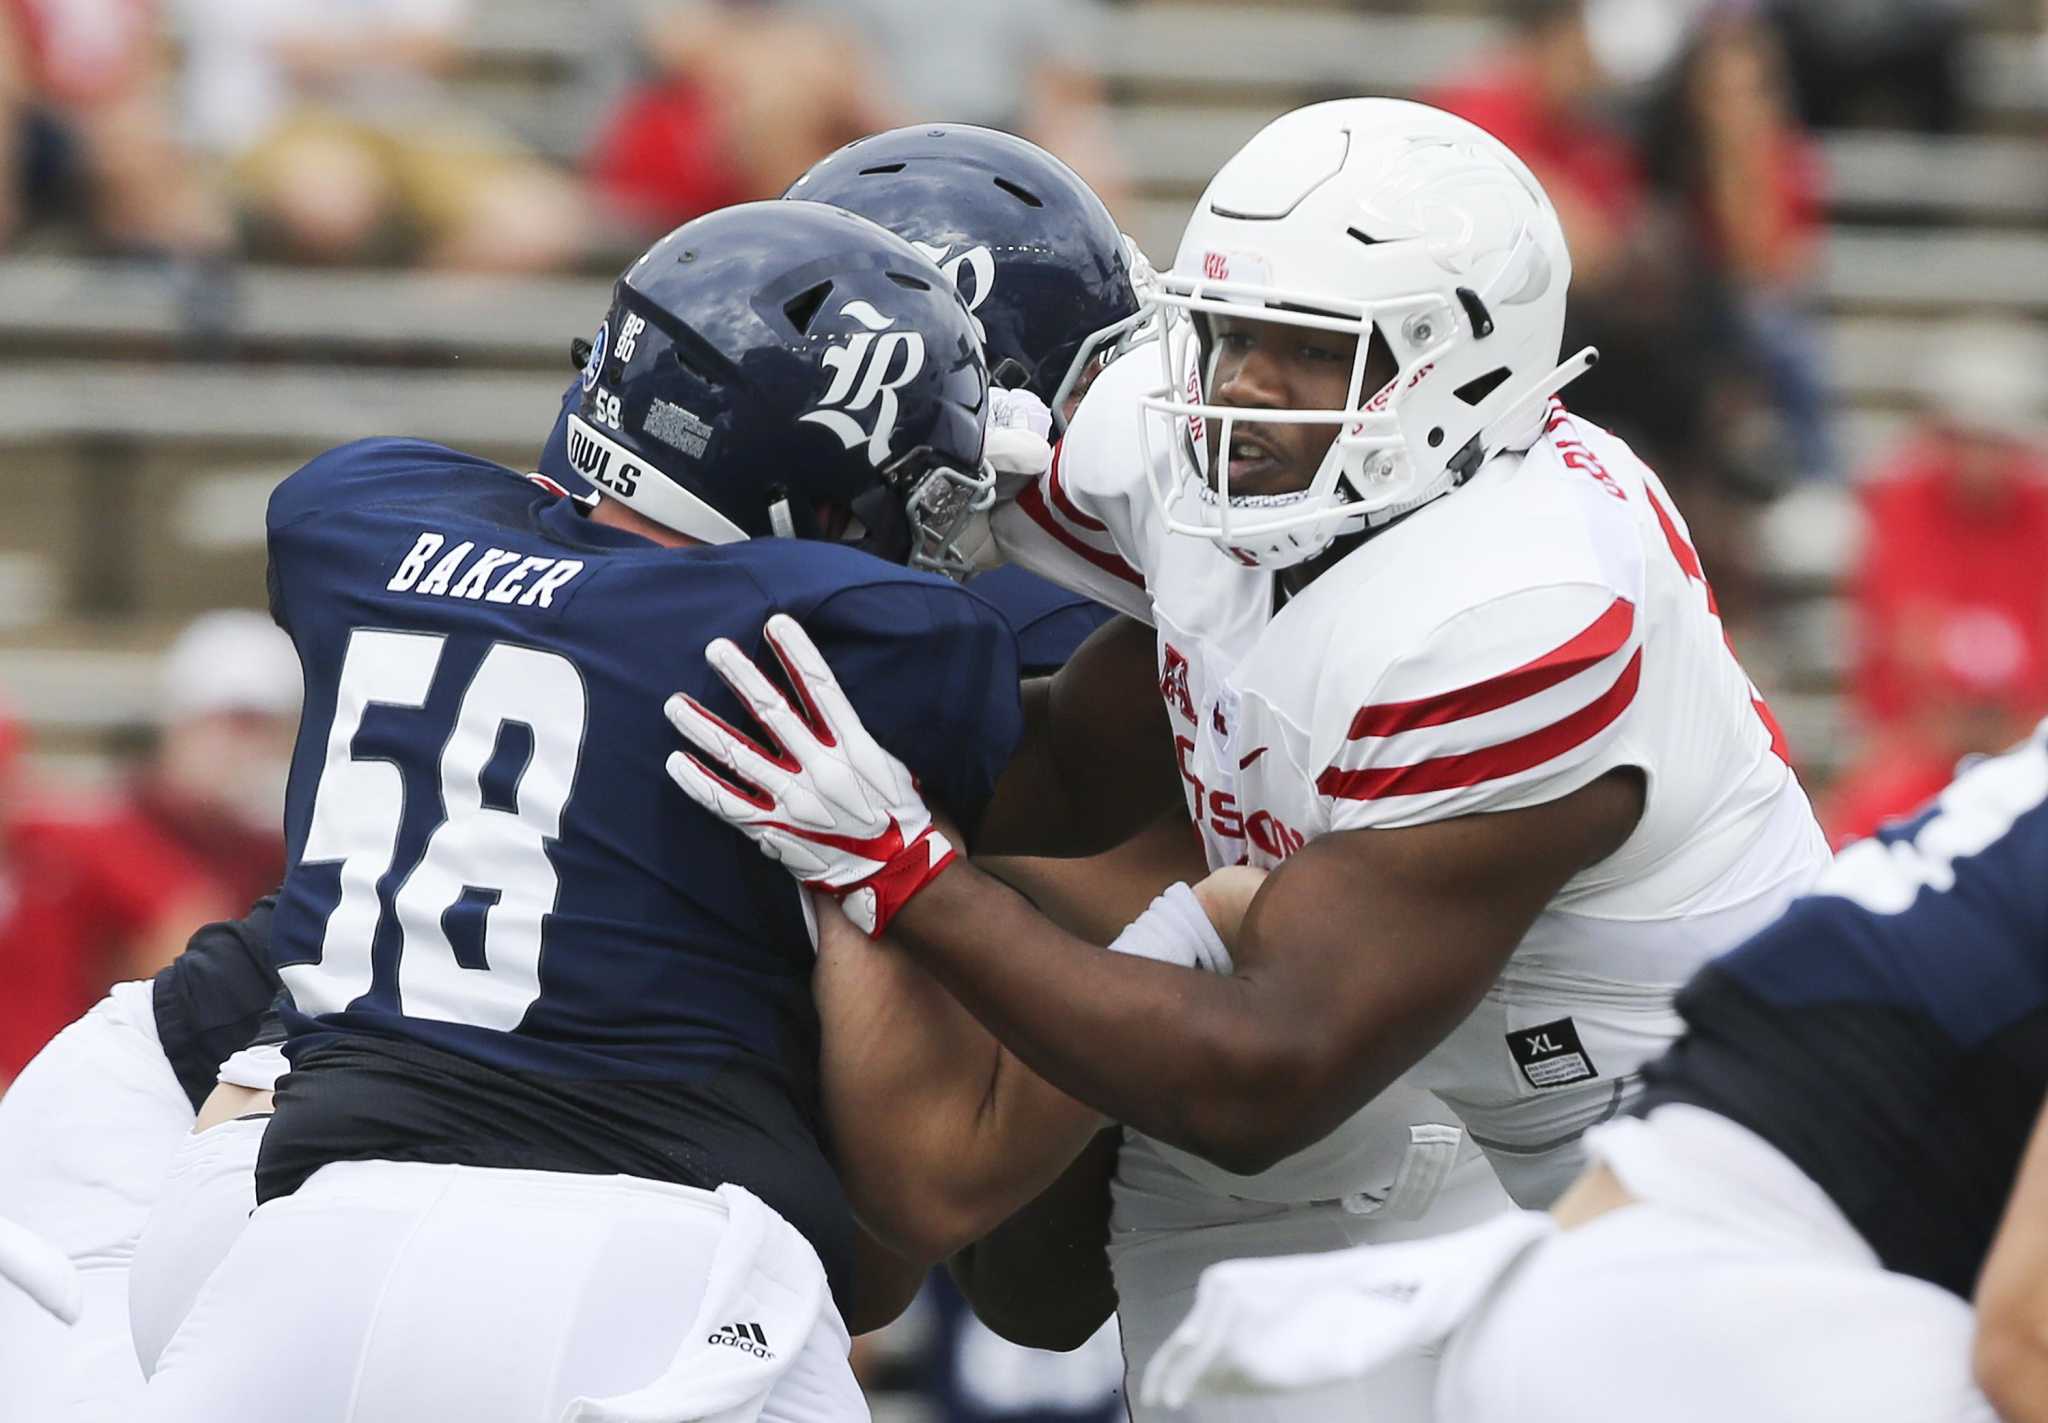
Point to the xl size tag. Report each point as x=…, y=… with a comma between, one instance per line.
x=1551, y=1055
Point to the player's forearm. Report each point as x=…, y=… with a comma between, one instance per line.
x=1216, y=1065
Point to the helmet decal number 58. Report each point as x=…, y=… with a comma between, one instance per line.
x=478, y=849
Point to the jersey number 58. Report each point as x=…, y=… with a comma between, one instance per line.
x=500, y=853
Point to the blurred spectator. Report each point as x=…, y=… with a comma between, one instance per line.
x=215, y=784
x=1952, y=591
x=87, y=131
x=1025, y=68
x=734, y=98
x=343, y=143
x=1728, y=147
x=1676, y=378
x=732, y=102
x=1549, y=99
x=1880, y=63
x=89, y=895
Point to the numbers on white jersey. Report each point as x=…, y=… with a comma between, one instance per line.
x=360, y=803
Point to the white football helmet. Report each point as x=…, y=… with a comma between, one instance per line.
x=1354, y=216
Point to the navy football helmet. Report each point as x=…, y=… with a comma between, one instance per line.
x=789, y=370
x=1034, y=252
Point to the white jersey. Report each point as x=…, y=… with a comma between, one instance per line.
x=1499, y=648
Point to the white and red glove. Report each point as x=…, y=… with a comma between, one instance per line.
x=1018, y=450
x=830, y=805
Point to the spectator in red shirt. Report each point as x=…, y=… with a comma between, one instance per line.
x=1952, y=593
x=215, y=783
x=1548, y=99
x=733, y=101
x=87, y=896
x=85, y=79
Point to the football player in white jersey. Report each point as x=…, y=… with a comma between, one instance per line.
x=1435, y=652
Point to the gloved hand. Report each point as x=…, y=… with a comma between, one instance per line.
x=1019, y=447
x=832, y=806
x=1018, y=450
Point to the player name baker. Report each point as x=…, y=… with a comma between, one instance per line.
x=493, y=575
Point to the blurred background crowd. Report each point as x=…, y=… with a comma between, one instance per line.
x=1810, y=237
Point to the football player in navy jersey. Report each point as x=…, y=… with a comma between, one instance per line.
x=1062, y=295
x=1794, y=1220
x=551, y=1134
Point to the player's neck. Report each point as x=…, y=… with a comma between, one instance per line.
x=612, y=513
x=1293, y=580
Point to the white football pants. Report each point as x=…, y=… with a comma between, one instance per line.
x=85, y=1134
x=389, y=1292
x=1165, y=1231
x=1733, y=1289
x=209, y=1191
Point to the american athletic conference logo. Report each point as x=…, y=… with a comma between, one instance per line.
x=593, y=364
x=866, y=372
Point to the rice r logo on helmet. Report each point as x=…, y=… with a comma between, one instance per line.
x=972, y=273
x=866, y=372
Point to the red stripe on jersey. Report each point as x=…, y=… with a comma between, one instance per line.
x=1062, y=502
x=1510, y=758
x=1688, y=561
x=1033, y=503
x=1601, y=639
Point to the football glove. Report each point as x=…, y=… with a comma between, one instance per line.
x=823, y=799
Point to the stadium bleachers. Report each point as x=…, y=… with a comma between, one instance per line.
x=137, y=464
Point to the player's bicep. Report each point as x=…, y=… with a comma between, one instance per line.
x=1096, y=760
x=1376, y=943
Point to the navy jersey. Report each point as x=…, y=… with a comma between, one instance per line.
x=1049, y=621
x=211, y=999
x=1890, y=1033
x=493, y=883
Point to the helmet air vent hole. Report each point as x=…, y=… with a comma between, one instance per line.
x=1360, y=237
x=1436, y=437
x=1474, y=391
x=1476, y=313
x=802, y=308
x=1021, y=194
x=881, y=168
x=904, y=279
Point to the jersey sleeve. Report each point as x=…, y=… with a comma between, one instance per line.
x=1083, y=524
x=1511, y=703
x=933, y=672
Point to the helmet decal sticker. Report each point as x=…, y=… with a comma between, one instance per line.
x=972, y=273
x=593, y=365
x=868, y=371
